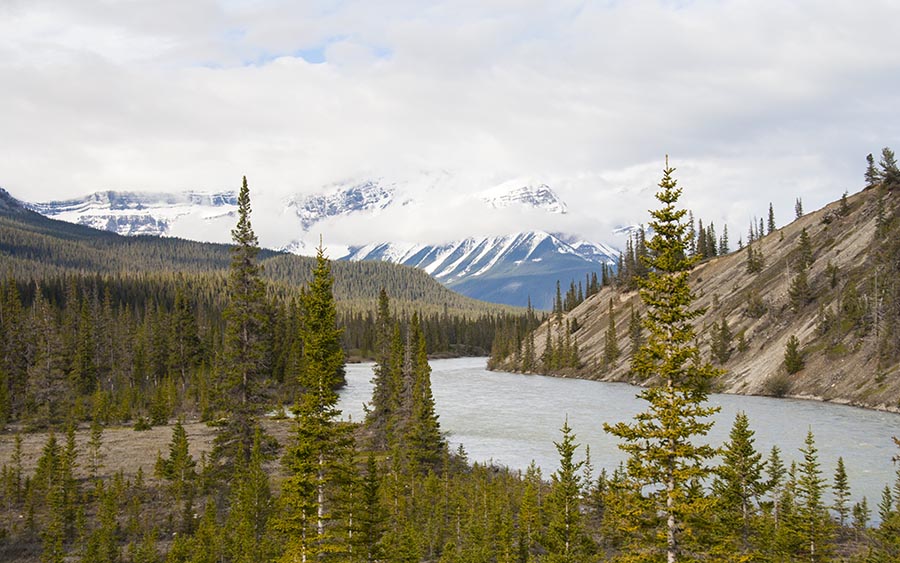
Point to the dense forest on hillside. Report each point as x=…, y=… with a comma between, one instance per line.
x=257, y=487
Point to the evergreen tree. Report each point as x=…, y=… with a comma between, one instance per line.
x=185, y=343
x=567, y=541
x=246, y=340
x=890, y=173
x=665, y=455
x=316, y=459
x=755, y=261
x=841, y=492
x=720, y=341
x=873, y=176
x=251, y=508
x=738, y=485
x=804, y=251
x=611, y=342
x=799, y=292
x=723, y=242
x=793, y=357
x=635, y=330
x=384, y=393
x=798, y=208
x=423, y=433
x=814, y=524
x=179, y=468
x=770, y=226
x=370, y=524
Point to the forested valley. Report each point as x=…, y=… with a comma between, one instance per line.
x=282, y=477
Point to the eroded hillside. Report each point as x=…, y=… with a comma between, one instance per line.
x=846, y=321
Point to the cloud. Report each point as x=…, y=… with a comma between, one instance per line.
x=755, y=101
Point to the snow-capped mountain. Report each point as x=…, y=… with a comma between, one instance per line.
x=366, y=196
x=537, y=197
x=136, y=213
x=506, y=269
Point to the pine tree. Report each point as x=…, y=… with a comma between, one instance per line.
x=251, y=508
x=841, y=492
x=770, y=226
x=804, y=251
x=370, y=524
x=635, y=330
x=890, y=173
x=793, y=357
x=798, y=208
x=384, y=393
x=95, y=450
x=246, y=341
x=179, y=468
x=814, y=524
x=567, y=541
x=723, y=242
x=185, y=343
x=755, y=261
x=799, y=292
x=738, y=484
x=663, y=443
x=316, y=459
x=873, y=177
x=423, y=433
x=611, y=342
x=720, y=341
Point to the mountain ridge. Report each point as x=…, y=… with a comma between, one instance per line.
x=846, y=322
x=474, y=266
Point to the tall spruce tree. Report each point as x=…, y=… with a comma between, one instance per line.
x=611, y=350
x=246, y=336
x=566, y=541
x=738, y=486
x=814, y=527
x=316, y=460
x=873, y=177
x=423, y=433
x=666, y=456
x=384, y=393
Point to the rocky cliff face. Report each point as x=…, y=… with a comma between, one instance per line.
x=846, y=325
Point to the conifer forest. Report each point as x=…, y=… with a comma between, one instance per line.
x=234, y=360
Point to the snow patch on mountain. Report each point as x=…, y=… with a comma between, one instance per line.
x=138, y=213
x=346, y=199
x=540, y=196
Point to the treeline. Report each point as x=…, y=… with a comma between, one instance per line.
x=149, y=345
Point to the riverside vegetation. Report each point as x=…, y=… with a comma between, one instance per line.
x=315, y=488
x=809, y=310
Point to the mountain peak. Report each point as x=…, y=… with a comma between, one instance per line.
x=540, y=196
x=345, y=200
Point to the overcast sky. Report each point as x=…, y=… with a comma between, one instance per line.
x=754, y=101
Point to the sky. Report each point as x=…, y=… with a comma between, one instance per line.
x=754, y=101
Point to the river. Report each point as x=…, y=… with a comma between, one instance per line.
x=511, y=419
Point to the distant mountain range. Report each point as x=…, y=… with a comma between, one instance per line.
x=507, y=269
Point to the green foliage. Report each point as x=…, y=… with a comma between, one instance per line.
x=179, y=468
x=720, y=341
x=247, y=336
x=611, y=350
x=793, y=356
x=665, y=456
x=755, y=260
x=737, y=489
x=800, y=293
x=310, y=515
x=566, y=540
